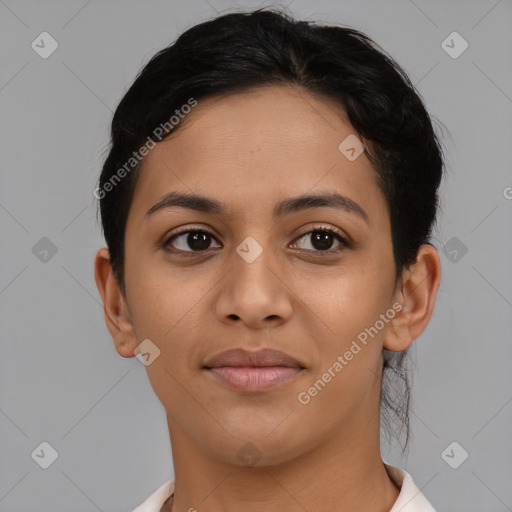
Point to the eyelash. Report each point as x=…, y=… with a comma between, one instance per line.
x=344, y=243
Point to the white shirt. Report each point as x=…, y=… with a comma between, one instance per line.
x=410, y=498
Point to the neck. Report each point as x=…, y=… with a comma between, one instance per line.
x=336, y=475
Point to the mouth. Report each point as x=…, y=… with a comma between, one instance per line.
x=253, y=371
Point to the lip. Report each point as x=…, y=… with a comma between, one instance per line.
x=253, y=371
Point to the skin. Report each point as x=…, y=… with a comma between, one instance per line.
x=250, y=151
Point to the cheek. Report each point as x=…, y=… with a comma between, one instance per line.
x=171, y=309
x=348, y=325
x=349, y=345
x=160, y=296
x=346, y=301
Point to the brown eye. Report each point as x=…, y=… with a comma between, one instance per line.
x=191, y=241
x=322, y=240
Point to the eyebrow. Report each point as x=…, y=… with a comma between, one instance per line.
x=286, y=207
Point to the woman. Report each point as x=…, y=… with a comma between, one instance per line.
x=267, y=203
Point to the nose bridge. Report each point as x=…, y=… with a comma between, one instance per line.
x=253, y=291
x=252, y=261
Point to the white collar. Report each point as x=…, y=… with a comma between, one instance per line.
x=410, y=498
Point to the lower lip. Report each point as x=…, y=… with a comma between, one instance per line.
x=254, y=378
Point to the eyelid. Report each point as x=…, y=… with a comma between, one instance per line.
x=329, y=229
x=189, y=227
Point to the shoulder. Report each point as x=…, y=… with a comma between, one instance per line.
x=410, y=499
x=154, y=502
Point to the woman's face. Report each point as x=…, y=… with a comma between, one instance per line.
x=262, y=277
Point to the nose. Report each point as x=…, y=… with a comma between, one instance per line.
x=254, y=293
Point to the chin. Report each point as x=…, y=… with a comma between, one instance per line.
x=258, y=445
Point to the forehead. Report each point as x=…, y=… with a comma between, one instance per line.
x=251, y=149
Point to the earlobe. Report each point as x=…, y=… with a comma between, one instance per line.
x=117, y=315
x=416, y=292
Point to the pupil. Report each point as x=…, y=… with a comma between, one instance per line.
x=201, y=242
x=322, y=240
x=198, y=241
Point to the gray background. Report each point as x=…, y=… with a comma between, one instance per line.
x=61, y=380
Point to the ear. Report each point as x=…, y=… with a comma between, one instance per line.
x=117, y=314
x=416, y=292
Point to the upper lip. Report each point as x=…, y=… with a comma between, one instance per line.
x=260, y=358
